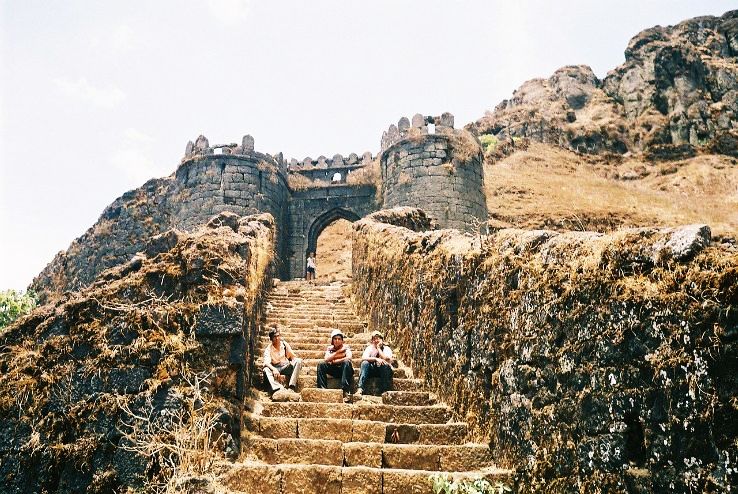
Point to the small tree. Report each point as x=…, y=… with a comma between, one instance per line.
x=14, y=304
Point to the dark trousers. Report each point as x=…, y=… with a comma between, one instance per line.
x=370, y=369
x=344, y=370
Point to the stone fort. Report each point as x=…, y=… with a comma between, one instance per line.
x=423, y=162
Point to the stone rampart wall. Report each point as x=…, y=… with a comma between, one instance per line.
x=593, y=363
x=432, y=172
x=311, y=210
x=243, y=184
x=81, y=375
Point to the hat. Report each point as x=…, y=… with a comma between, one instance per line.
x=336, y=332
x=273, y=332
x=376, y=333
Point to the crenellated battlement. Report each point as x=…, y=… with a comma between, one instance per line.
x=337, y=161
x=326, y=171
x=418, y=126
x=423, y=162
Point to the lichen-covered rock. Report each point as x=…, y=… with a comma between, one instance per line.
x=100, y=387
x=675, y=93
x=591, y=365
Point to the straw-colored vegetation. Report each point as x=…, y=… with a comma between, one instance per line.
x=547, y=187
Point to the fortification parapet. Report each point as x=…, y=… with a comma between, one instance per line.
x=418, y=126
x=428, y=164
x=330, y=170
x=232, y=177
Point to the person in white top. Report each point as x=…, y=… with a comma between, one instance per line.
x=337, y=363
x=376, y=361
x=280, y=363
x=310, y=269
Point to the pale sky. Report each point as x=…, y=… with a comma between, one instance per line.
x=98, y=96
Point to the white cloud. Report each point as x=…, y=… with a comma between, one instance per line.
x=136, y=164
x=230, y=12
x=134, y=158
x=117, y=40
x=124, y=39
x=82, y=90
x=136, y=136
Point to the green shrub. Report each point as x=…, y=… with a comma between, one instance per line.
x=443, y=484
x=489, y=142
x=14, y=304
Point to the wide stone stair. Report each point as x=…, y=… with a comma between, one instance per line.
x=379, y=444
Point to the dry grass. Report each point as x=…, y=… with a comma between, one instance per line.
x=547, y=187
x=368, y=175
x=182, y=442
x=334, y=251
x=297, y=181
x=465, y=146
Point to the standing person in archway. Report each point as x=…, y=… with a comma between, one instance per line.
x=310, y=268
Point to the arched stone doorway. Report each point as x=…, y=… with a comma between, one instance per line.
x=312, y=210
x=323, y=221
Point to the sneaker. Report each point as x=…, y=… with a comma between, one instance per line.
x=359, y=393
x=346, y=397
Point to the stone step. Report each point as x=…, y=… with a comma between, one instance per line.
x=303, y=353
x=314, y=305
x=308, y=298
x=429, y=457
x=307, y=308
x=300, y=341
x=252, y=477
x=309, y=322
x=321, y=334
x=350, y=430
x=372, y=385
x=310, y=368
x=401, y=398
x=362, y=410
x=408, y=398
x=315, y=322
x=285, y=319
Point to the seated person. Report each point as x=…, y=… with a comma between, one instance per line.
x=280, y=363
x=376, y=361
x=337, y=363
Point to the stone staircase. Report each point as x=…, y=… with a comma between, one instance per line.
x=378, y=444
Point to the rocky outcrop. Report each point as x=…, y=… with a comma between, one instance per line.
x=592, y=362
x=678, y=87
x=142, y=373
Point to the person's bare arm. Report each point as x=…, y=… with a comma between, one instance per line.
x=338, y=357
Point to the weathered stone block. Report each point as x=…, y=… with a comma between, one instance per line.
x=278, y=428
x=311, y=479
x=339, y=429
x=361, y=480
x=219, y=320
x=408, y=456
x=313, y=451
x=363, y=454
x=405, y=482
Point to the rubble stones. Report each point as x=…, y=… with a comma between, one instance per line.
x=569, y=353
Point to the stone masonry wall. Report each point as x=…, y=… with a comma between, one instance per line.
x=593, y=363
x=440, y=172
x=323, y=169
x=433, y=173
x=312, y=210
x=77, y=372
x=204, y=184
x=248, y=183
